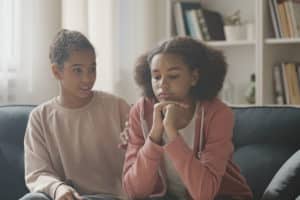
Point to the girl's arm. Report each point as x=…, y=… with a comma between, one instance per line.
x=203, y=177
x=39, y=173
x=142, y=161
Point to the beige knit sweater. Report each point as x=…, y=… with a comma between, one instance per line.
x=78, y=146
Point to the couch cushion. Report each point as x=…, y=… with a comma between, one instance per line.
x=264, y=138
x=13, y=121
x=266, y=125
x=286, y=182
x=259, y=163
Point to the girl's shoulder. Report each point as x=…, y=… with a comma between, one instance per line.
x=143, y=107
x=44, y=111
x=216, y=106
x=143, y=103
x=108, y=98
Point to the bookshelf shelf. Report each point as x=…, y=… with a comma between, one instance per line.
x=230, y=44
x=282, y=40
x=246, y=57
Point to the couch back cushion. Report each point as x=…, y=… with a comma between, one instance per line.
x=13, y=121
x=264, y=138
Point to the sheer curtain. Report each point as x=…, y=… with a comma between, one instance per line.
x=97, y=19
x=9, y=40
x=27, y=28
x=120, y=31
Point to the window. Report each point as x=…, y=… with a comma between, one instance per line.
x=9, y=15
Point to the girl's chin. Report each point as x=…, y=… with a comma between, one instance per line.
x=186, y=102
x=169, y=99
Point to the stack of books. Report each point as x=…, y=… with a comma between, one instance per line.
x=285, y=15
x=286, y=82
x=193, y=20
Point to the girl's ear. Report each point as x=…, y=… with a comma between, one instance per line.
x=56, y=71
x=195, y=77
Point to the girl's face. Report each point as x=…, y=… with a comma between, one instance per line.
x=171, y=78
x=78, y=76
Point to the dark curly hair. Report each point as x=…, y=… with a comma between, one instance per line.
x=210, y=63
x=66, y=41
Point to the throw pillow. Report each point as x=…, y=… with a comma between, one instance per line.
x=286, y=182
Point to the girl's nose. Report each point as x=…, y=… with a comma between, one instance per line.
x=163, y=83
x=87, y=77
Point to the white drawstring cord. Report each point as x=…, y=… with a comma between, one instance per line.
x=201, y=133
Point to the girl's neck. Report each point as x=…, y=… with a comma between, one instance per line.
x=73, y=102
x=191, y=109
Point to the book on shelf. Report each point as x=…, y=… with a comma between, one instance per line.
x=180, y=9
x=178, y=16
x=194, y=20
x=298, y=72
x=193, y=25
x=286, y=83
x=202, y=25
x=285, y=17
x=289, y=18
x=275, y=18
x=283, y=20
x=293, y=88
x=295, y=13
x=215, y=24
x=292, y=18
x=279, y=96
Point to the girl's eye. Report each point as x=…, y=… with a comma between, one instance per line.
x=156, y=77
x=77, y=70
x=173, y=76
x=93, y=69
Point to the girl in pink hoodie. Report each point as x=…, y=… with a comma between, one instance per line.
x=180, y=133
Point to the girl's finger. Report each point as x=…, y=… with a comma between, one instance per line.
x=163, y=104
x=68, y=196
x=126, y=136
x=77, y=196
x=126, y=124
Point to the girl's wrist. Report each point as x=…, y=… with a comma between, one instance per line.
x=155, y=136
x=172, y=133
x=170, y=128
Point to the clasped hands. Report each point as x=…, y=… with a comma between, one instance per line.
x=168, y=118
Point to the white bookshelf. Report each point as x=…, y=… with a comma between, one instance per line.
x=248, y=56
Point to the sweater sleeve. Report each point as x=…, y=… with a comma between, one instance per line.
x=39, y=174
x=202, y=177
x=142, y=161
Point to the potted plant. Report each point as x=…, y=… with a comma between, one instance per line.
x=233, y=28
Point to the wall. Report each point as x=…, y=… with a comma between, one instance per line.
x=142, y=25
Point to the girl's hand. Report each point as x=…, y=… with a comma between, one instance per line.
x=65, y=192
x=124, y=136
x=158, y=126
x=175, y=118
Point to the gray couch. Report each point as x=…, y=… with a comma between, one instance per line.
x=264, y=138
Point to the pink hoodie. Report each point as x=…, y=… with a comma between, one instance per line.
x=207, y=171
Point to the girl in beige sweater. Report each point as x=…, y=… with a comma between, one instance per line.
x=71, y=141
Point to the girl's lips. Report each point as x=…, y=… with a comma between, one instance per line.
x=85, y=88
x=85, y=91
x=164, y=96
